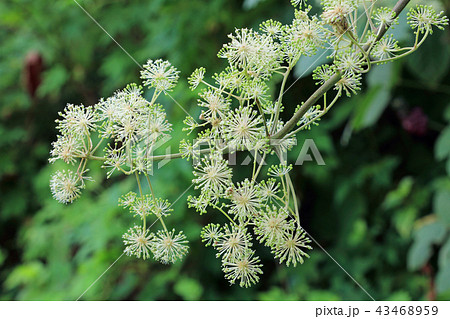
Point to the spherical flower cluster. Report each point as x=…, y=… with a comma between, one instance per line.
x=385, y=48
x=385, y=16
x=165, y=246
x=160, y=75
x=138, y=242
x=65, y=186
x=423, y=18
x=168, y=247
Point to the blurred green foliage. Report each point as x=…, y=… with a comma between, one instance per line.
x=380, y=207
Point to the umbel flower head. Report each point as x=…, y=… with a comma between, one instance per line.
x=213, y=174
x=245, y=269
x=168, y=247
x=77, y=120
x=65, y=186
x=138, y=242
x=245, y=201
x=423, y=18
x=160, y=75
x=291, y=248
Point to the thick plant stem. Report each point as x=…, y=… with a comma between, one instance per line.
x=306, y=106
x=400, y=5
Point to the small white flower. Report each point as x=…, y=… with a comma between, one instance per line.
x=268, y=190
x=157, y=124
x=271, y=27
x=115, y=159
x=245, y=201
x=279, y=170
x=245, y=269
x=77, y=120
x=296, y=3
x=385, y=16
x=65, y=187
x=303, y=37
x=240, y=49
x=128, y=129
x=211, y=234
x=291, y=248
x=271, y=225
x=311, y=117
x=128, y=199
x=323, y=73
x=160, y=75
x=196, y=78
x=243, y=128
x=234, y=243
x=385, y=48
x=216, y=105
x=213, y=174
x=423, y=18
x=255, y=90
x=66, y=148
x=161, y=207
x=350, y=62
x=229, y=79
x=142, y=206
x=168, y=247
x=200, y=203
x=335, y=11
x=350, y=83
x=138, y=242
x=256, y=54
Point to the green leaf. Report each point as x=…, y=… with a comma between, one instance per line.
x=444, y=255
x=421, y=250
x=385, y=75
x=25, y=273
x=188, y=289
x=441, y=205
x=447, y=113
x=447, y=166
x=428, y=64
x=277, y=294
x=371, y=107
x=396, y=197
x=442, y=146
x=54, y=79
x=443, y=280
x=399, y=296
x=404, y=220
x=418, y=255
x=322, y=295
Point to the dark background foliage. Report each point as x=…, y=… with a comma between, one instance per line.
x=380, y=206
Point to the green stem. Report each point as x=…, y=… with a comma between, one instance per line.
x=413, y=49
x=223, y=212
x=263, y=116
x=259, y=167
x=294, y=197
x=280, y=99
x=142, y=195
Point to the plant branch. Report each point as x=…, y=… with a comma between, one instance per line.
x=399, y=6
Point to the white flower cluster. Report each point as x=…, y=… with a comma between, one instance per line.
x=165, y=246
x=237, y=113
x=129, y=127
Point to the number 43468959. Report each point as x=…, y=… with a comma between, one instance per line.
x=407, y=310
